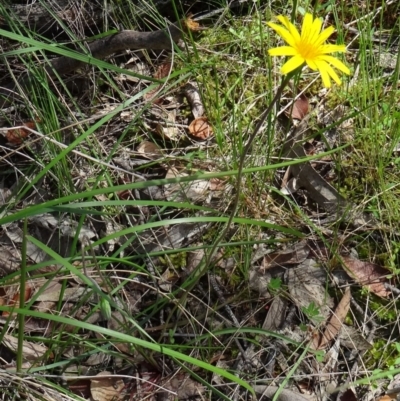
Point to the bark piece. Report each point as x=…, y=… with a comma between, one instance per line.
x=192, y=94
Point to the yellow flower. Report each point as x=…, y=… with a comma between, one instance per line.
x=308, y=48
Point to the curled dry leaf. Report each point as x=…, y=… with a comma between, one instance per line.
x=291, y=186
x=149, y=149
x=14, y=297
x=368, y=275
x=335, y=322
x=169, y=130
x=300, y=107
x=17, y=135
x=192, y=25
x=200, y=128
x=163, y=70
x=105, y=387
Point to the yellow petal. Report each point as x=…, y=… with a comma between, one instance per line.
x=326, y=70
x=282, y=51
x=312, y=65
x=315, y=30
x=307, y=26
x=292, y=64
x=324, y=35
x=290, y=27
x=284, y=33
x=325, y=49
x=336, y=63
x=323, y=66
x=325, y=77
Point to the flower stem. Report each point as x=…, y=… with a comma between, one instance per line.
x=242, y=159
x=294, y=10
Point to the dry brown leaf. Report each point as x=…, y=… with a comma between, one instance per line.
x=216, y=184
x=307, y=285
x=192, y=25
x=17, y=135
x=14, y=299
x=106, y=388
x=387, y=397
x=183, y=386
x=149, y=149
x=168, y=129
x=30, y=351
x=291, y=256
x=299, y=109
x=194, y=259
x=194, y=191
x=352, y=338
x=276, y=314
x=335, y=322
x=393, y=390
x=368, y=275
x=163, y=70
x=10, y=258
x=200, y=128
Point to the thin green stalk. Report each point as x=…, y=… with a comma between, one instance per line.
x=22, y=282
x=294, y=10
x=291, y=373
x=246, y=150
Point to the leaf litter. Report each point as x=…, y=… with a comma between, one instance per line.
x=289, y=279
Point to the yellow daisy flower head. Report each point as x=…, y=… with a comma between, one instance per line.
x=308, y=47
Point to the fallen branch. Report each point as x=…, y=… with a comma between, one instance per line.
x=99, y=49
